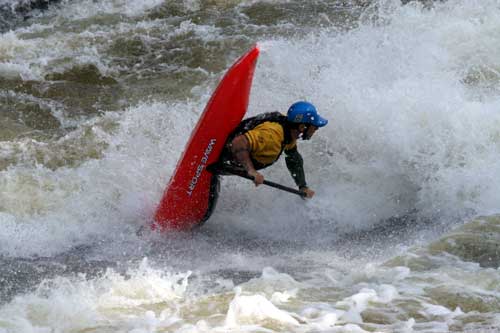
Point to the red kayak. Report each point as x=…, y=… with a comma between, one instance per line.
x=188, y=200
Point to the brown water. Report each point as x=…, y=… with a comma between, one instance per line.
x=97, y=100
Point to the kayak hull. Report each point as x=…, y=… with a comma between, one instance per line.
x=189, y=197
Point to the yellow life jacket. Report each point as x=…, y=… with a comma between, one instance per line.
x=268, y=135
x=267, y=142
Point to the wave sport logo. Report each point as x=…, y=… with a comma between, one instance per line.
x=201, y=166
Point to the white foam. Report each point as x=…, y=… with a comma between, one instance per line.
x=431, y=310
x=405, y=130
x=254, y=309
x=68, y=206
x=28, y=59
x=113, y=300
x=88, y=8
x=192, y=5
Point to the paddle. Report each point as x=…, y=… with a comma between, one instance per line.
x=267, y=182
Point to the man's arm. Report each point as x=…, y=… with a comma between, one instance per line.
x=240, y=149
x=295, y=165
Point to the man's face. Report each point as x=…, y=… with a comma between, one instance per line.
x=308, y=131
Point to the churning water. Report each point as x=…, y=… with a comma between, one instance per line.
x=97, y=100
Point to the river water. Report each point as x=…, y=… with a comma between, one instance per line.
x=97, y=100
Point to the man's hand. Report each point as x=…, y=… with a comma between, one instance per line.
x=258, y=178
x=309, y=193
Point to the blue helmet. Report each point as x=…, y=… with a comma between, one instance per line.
x=305, y=113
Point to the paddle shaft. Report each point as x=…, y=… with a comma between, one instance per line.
x=268, y=183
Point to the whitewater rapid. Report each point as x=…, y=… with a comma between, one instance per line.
x=97, y=100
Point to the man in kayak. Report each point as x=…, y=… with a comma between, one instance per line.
x=259, y=141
